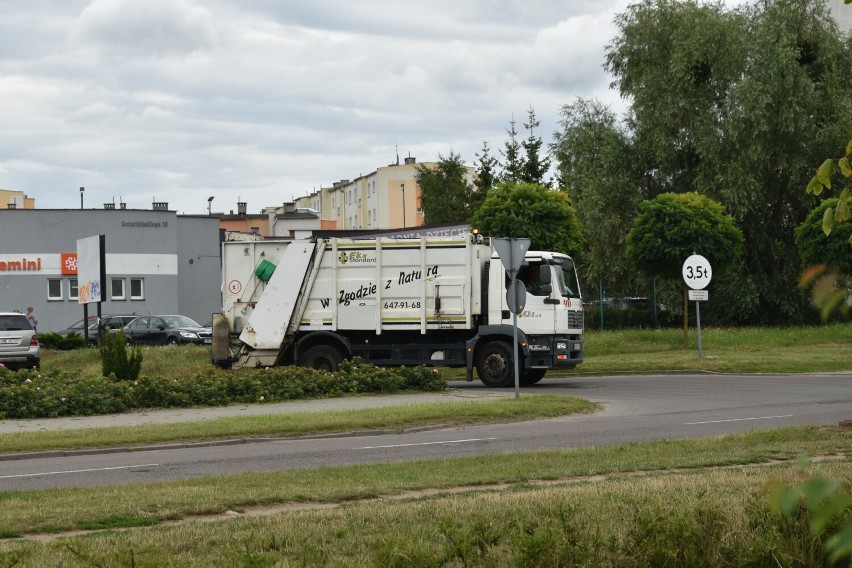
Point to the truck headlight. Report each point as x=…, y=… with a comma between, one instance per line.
x=561, y=345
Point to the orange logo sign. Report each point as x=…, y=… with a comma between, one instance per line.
x=69, y=262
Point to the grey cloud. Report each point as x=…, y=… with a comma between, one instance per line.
x=180, y=100
x=149, y=28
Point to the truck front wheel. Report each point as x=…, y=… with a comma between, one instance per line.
x=321, y=358
x=494, y=365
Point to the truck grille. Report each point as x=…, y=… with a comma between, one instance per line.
x=575, y=320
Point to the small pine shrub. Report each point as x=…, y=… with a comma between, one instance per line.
x=116, y=361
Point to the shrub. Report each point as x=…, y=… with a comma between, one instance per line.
x=29, y=393
x=115, y=360
x=34, y=394
x=52, y=340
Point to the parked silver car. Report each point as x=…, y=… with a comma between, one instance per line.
x=18, y=342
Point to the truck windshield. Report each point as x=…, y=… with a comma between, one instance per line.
x=566, y=280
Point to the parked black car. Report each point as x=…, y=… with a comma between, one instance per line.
x=166, y=330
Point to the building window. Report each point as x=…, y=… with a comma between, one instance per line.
x=137, y=288
x=73, y=290
x=117, y=289
x=54, y=289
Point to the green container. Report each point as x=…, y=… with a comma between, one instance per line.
x=264, y=270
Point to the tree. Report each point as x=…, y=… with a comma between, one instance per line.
x=673, y=226
x=532, y=211
x=742, y=125
x=446, y=195
x=513, y=166
x=829, y=258
x=598, y=168
x=486, y=171
x=839, y=212
x=534, y=168
x=815, y=247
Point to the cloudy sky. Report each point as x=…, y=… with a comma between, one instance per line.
x=263, y=101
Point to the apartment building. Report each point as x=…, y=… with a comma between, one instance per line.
x=15, y=200
x=386, y=198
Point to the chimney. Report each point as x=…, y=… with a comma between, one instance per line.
x=12, y=206
x=410, y=160
x=160, y=206
x=109, y=205
x=289, y=207
x=241, y=207
x=123, y=205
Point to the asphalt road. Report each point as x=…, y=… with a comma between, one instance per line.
x=636, y=409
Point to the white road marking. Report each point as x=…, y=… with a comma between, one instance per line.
x=739, y=419
x=426, y=443
x=77, y=471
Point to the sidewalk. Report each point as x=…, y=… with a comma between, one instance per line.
x=198, y=414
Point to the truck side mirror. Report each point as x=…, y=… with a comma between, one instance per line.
x=544, y=274
x=568, y=264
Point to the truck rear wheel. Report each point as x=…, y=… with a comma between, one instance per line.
x=321, y=358
x=494, y=365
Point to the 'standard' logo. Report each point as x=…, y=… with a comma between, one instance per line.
x=354, y=257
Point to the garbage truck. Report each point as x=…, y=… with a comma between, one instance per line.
x=435, y=301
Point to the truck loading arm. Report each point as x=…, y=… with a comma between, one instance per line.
x=284, y=299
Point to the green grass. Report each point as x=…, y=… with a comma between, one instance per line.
x=726, y=350
x=177, y=362
x=301, y=423
x=681, y=504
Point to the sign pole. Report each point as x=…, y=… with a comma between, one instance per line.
x=515, y=358
x=697, y=275
x=698, y=325
x=511, y=252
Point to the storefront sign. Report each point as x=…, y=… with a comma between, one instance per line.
x=69, y=262
x=21, y=265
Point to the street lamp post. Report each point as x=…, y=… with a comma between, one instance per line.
x=82, y=189
x=209, y=205
x=402, y=185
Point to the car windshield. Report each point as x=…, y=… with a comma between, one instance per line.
x=173, y=322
